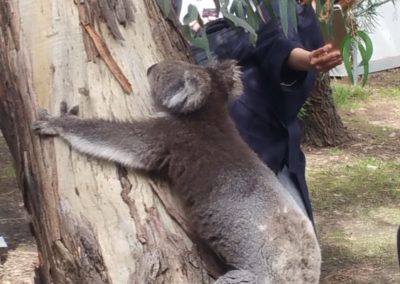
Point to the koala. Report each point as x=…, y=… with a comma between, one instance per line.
x=234, y=201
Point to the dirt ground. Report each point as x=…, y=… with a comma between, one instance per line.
x=19, y=259
x=336, y=227
x=358, y=238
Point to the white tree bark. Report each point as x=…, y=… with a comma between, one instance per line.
x=95, y=222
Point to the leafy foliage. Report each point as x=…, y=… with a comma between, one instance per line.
x=199, y=38
x=247, y=14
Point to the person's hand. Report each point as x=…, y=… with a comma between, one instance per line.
x=194, y=25
x=322, y=59
x=325, y=58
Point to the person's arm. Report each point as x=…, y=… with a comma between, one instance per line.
x=273, y=50
x=322, y=59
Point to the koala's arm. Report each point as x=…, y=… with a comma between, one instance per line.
x=133, y=145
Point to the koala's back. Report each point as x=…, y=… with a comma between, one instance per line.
x=238, y=206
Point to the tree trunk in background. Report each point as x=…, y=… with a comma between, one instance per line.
x=321, y=123
x=94, y=222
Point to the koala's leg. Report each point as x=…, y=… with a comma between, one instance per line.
x=130, y=144
x=238, y=276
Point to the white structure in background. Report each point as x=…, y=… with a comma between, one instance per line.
x=386, y=37
x=200, y=4
x=386, y=41
x=3, y=243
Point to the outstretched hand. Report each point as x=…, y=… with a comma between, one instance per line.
x=325, y=58
x=322, y=59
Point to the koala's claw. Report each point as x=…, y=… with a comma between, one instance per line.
x=64, y=109
x=43, y=114
x=74, y=110
x=45, y=127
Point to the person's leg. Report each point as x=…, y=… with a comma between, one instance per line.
x=287, y=182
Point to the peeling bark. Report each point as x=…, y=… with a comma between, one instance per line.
x=94, y=222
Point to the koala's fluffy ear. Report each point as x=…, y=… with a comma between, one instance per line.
x=193, y=94
x=231, y=75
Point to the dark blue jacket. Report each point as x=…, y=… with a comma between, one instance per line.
x=266, y=113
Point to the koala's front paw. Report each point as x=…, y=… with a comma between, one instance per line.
x=45, y=125
x=50, y=125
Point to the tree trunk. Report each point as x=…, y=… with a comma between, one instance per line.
x=94, y=222
x=321, y=123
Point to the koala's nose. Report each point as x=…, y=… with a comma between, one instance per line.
x=149, y=69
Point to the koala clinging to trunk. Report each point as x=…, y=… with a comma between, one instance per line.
x=234, y=201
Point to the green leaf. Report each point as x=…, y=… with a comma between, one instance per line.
x=200, y=40
x=283, y=13
x=346, y=55
x=165, y=6
x=191, y=15
x=269, y=5
x=240, y=23
x=252, y=16
x=240, y=10
x=366, y=72
x=368, y=46
x=292, y=12
x=365, y=65
x=318, y=7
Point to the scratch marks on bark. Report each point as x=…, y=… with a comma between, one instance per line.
x=92, y=263
x=164, y=252
x=113, y=12
x=78, y=255
x=126, y=186
x=105, y=53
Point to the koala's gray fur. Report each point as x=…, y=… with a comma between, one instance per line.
x=235, y=202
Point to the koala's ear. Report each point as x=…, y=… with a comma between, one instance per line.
x=231, y=74
x=193, y=94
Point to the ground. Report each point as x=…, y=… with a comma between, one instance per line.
x=355, y=190
x=18, y=260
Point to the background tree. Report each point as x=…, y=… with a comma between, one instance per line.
x=320, y=121
x=94, y=222
x=321, y=124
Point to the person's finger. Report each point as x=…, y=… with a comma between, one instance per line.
x=324, y=59
x=329, y=65
x=322, y=50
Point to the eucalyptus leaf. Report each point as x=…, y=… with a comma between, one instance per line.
x=165, y=6
x=283, y=13
x=252, y=16
x=346, y=55
x=368, y=45
x=365, y=61
x=292, y=12
x=366, y=72
x=240, y=23
x=191, y=15
x=269, y=6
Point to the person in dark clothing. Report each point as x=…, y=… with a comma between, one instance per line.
x=278, y=75
x=398, y=245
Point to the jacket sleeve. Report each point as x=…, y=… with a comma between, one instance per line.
x=273, y=48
